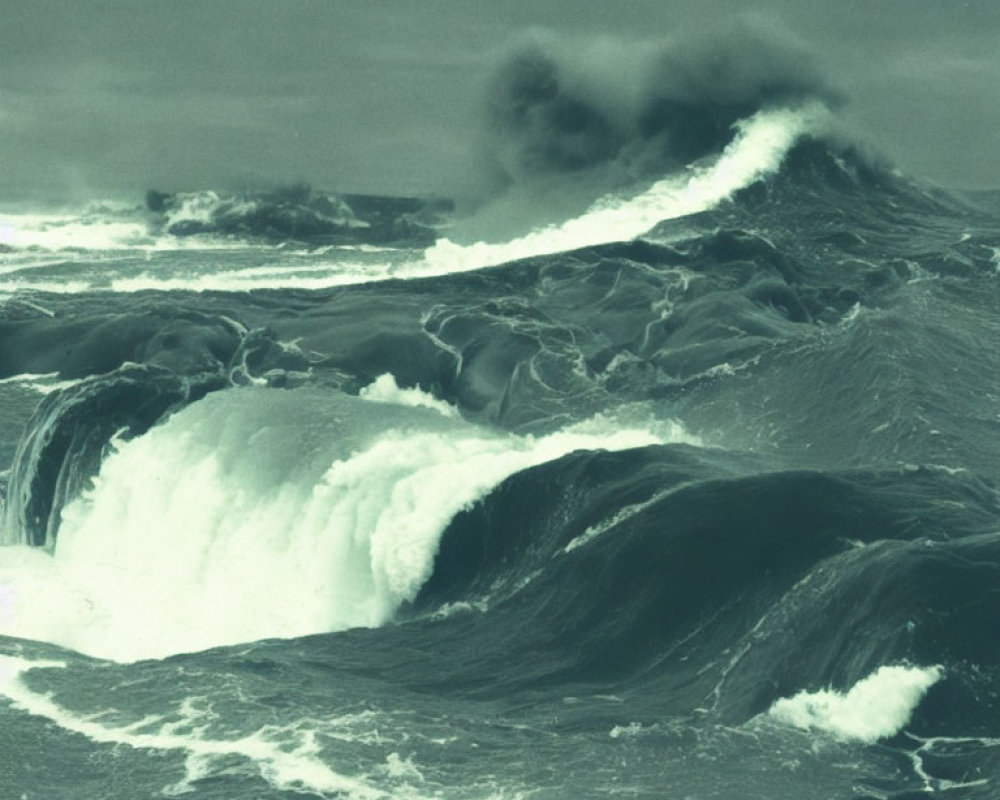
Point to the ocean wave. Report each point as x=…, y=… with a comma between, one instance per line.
x=691, y=490
x=317, y=534
x=693, y=560
x=758, y=149
x=213, y=220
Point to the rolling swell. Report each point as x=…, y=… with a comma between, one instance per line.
x=663, y=574
x=695, y=581
x=764, y=286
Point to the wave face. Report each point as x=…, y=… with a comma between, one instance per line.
x=693, y=494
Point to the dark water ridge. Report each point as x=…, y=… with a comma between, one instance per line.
x=604, y=620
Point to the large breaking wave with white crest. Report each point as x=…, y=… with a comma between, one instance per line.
x=758, y=149
x=252, y=532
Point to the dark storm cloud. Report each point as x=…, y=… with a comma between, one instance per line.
x=117, y=96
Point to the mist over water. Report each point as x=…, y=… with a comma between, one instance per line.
x=568, y=119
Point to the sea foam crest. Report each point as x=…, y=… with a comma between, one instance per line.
x=384, y=389
x=874, y=708
x=758, y=150
x=254, y=514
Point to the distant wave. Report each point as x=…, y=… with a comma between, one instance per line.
x=211, y=220
x=297, y=213
x=778, y=156
x=760, y=146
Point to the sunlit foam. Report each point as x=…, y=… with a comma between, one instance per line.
x=874, y=708
x=257, y=513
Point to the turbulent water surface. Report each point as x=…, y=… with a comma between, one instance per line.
x=693, y=495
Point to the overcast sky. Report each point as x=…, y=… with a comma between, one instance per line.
x=386, y=95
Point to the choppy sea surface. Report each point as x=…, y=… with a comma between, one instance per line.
x=692, y=495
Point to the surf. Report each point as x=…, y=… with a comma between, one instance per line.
x=257, y=513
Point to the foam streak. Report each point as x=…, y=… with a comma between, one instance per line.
x=285, y=768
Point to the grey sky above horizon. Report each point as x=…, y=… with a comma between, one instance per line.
x=112, y=97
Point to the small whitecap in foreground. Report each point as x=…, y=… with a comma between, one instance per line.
x=875, y=708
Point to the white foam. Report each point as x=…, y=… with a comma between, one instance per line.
x=110, y=226
x=282, y=273
x=384, y=389
x=481, y=605
x=876, y=707
x=197, y=207
x=402, y=768
x=206, y=206
x=278, y=276
x=287, y=757
x=620, y=516
x=46, y=383
x=630, y=731
x=96, y=232
x=758, y=149
x=929, y=746
x=70, y=232
x=255, y=514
